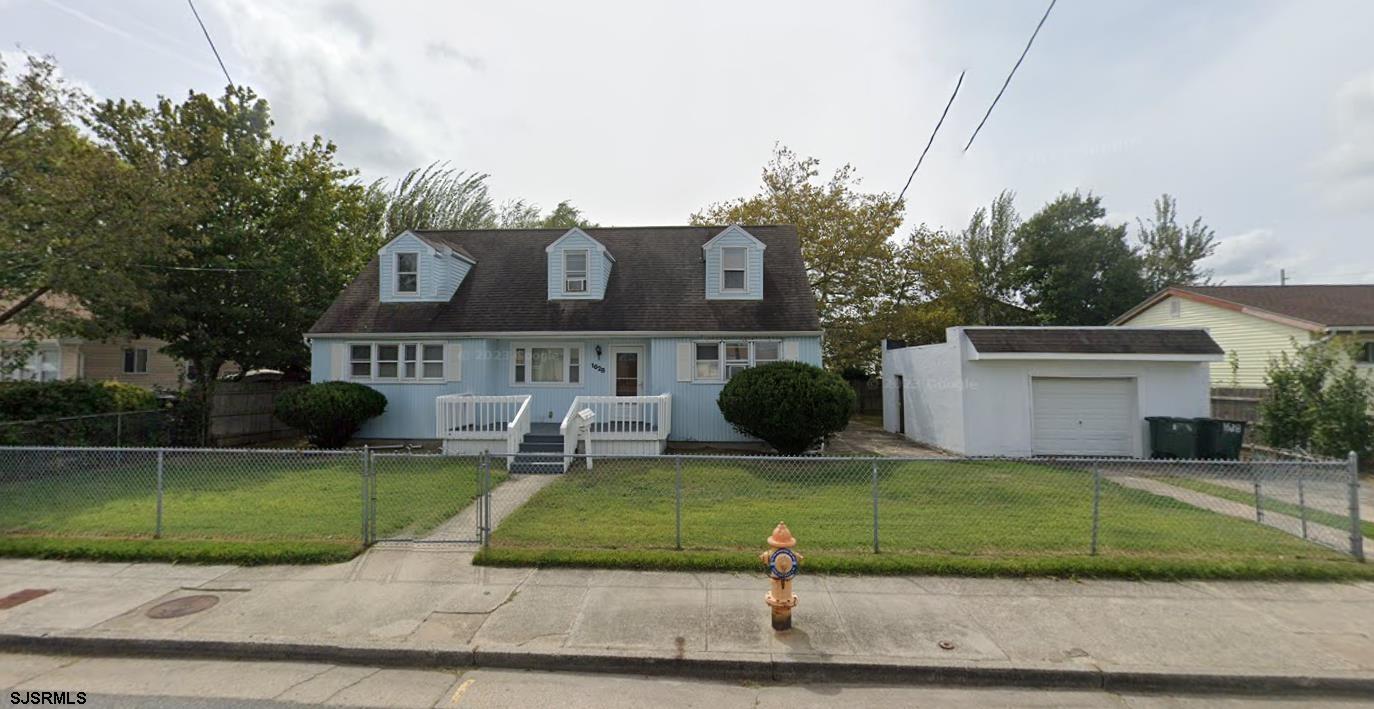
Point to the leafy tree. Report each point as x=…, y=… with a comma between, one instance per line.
x=1170, y=253
x=1318, y=401
x=77, y=223
x=844, y=240
x=519, y=214
x=989, y=242
x=1073, y=269
x=434, y=197
x=928, y=286
x=793, y=406
x=280, y=230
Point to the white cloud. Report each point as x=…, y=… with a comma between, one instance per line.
x=1253, y=258
x=1347, y=168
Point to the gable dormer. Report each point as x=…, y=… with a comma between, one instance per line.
x=578, y=266
x=415, y=269
x=734, y=265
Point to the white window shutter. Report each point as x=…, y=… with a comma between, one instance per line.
x=789, y=350
x=685, y=363
x=453, y=365
x=338, y=365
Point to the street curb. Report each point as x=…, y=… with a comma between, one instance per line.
x=723, y=666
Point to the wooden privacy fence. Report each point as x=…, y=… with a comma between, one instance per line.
x=1238, y=404
x=241, y=413
x=869, y=393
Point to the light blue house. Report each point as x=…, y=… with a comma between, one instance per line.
x=616, y=339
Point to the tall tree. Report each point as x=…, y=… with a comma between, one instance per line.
x=989, y=242
x=1074, y=269
x=77, y=223
x=282, y=229
x=519, y=214
x=1171, y=253
x=844, y=233
x=434, y=197
x=928, y=286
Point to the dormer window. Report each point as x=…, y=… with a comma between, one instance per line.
x=407, y=272
x=733, y=263
x=575, y=271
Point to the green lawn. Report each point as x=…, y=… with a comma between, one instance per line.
x=219, y=506
x=934, y=516
x=1271, y=504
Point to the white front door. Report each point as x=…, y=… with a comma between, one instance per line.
x=627, y=379
x=1083, y=416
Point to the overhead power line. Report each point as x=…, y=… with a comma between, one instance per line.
x=1010, y=74
x=930, y=142
x=212, y=43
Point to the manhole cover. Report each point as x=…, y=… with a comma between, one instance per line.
x=179, y=607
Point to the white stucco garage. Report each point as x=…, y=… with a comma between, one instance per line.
x=1026, y=391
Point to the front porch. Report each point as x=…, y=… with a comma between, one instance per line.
x=470, y=424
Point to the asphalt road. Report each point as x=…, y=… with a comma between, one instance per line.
x=196, y=684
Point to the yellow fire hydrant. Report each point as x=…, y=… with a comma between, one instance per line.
x=783, y=564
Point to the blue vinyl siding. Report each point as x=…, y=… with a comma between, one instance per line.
x=696, y=417
x=598, y=266
x=753, y=281
x=440, y=273
x=486, y=369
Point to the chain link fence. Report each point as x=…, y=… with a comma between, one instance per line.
x=949, y=506
x=992, y=508
x=123, y=429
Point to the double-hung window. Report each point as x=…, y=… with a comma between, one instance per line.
x=719, y=361
x=734, y=262
x=546, y=364
x=408, y=272
x=708, y=361
x=408, y=361
x=575, y=271
x=736, y=358
x=135, y=360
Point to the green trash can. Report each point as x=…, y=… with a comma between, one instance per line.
x=1172, y=437
x=1219, y=439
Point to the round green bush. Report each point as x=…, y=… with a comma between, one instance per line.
x=329, y=413
x=790, y=405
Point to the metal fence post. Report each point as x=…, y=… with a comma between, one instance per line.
x=1302, y=505
x=157, y=532
x=1356, y=529
x=677, y=499
x=363, y=495
x=875, y=506
x=484, y=509
x=1259, y=500
x=1097, y=508
x=119, y=430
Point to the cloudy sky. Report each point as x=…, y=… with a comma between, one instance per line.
x=1258, y=116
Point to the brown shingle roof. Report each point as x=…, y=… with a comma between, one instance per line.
x=657, y=284
x=1092, y=340
x=1332, y=306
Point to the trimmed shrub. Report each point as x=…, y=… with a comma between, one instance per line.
x=26, y=401
x=130, y=397
x=790, y=405
x=329, y=413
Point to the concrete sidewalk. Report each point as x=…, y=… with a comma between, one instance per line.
x=424, y=606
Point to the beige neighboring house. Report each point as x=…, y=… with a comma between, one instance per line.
x=1254, y=323
x=135, y=361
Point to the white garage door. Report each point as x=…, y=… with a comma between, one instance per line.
x=1082, y=416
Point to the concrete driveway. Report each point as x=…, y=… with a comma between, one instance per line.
x=863, y=438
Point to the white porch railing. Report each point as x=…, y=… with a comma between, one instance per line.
x=622, y=418
x=466, y=416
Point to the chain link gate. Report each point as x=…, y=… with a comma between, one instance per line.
x=399, y=489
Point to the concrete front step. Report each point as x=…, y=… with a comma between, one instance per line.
x=528, y=447
x=543, y=438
